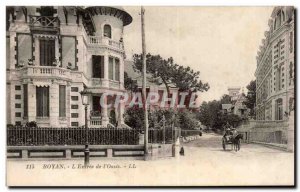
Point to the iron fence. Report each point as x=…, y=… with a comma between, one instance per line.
x=43, y=136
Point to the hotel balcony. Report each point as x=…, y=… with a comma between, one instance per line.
x=44, y=24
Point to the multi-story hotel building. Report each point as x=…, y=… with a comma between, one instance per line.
x=275, y=67
x=53, y=53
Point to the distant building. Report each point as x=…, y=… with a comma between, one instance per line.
x=275, y=74
x=236, y=106
x=53, y=53
x=233, y=92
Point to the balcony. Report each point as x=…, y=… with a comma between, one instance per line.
x=46, y=71
x=44, y=24
x=95, y=41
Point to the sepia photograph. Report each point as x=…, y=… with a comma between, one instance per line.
x=152, y=96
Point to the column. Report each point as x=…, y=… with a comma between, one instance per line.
x=56, y=48
x=31, y=102
x=105, y=80
x=105, y=119
x=54, y=104
x=121, y=113
x=122, y=73
x=36, y=51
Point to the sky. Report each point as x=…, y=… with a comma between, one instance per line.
x=220, y=42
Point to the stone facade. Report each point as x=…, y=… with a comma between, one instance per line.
x=63, y=48
x=275, y=67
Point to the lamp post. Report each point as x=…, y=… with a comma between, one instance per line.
x=85, y=102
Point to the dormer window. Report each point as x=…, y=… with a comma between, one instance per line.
x=107, y=31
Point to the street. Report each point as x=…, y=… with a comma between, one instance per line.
x=205, y=163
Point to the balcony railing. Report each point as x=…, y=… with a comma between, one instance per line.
x=99, y=41
x=44, y=23
x=46, y=71
x=96, y=82
x=114, y=84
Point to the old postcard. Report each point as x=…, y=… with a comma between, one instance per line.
x=150, y=96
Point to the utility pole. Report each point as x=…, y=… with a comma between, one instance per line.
x=144, y=82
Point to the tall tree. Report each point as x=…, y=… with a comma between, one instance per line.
x=251, y=97
x=165, y=71
x=225, y=99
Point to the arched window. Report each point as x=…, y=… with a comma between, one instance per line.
x=107, y=31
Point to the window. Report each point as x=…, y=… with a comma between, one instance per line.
x=74, y=98
x=18, y=114
x=74, y=106
x=47, y=11
x=111, y=68
x=278, y=109
x=18, y=105
x=114, y=68
x=17, y=96
x=107, y=31
x=117, y=69
x=74, y=124
x=17, y=87
x=47, y=52
x=74, y=89
x=98, y=66
x=25, y=101
x=62, y=101
x=74, y=115
x=96, y=103
x=42, y=101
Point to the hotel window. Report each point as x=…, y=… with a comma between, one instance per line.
x=107, y=31
x=62, y=101
x=74, y=98
x=74, y=115
x=74, y=106
x=47, y=52
x=17, y=87
x=98, y=66
x=25, y=100
x=42, y=101
x=278, y=110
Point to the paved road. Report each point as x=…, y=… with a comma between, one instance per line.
x=205, y=163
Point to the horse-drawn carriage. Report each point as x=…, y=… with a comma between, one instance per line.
x=232, y=137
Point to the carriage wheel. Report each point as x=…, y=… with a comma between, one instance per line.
x=223, y=144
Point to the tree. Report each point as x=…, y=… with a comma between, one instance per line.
x=251, y=97
x=225, y=99
x=129, y=83
x=165, y=71
x=209, y=114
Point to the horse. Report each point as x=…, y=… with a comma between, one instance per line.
x=236, y=142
